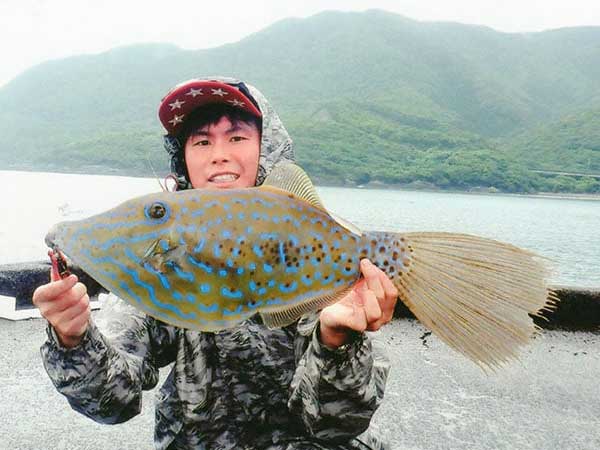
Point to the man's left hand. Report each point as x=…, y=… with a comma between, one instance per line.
x=367, y=307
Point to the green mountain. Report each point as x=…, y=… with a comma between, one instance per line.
x=369, y=96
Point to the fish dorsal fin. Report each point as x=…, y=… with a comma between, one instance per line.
x=347, y=224
x=292, y=178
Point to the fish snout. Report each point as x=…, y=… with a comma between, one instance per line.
x=50, y=238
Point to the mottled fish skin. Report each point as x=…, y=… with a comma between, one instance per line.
x=217, y=257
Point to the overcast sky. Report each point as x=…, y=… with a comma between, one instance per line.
x=32, y=31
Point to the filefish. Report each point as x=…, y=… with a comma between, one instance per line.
x=208, y=259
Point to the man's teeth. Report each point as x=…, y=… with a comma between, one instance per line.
x=226, y=177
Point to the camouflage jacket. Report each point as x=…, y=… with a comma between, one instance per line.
x=248, y=387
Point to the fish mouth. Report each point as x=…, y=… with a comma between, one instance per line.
x=50, y=238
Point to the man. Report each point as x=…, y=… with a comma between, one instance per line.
x=312, y=385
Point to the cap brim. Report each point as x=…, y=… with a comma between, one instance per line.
x=186, y=97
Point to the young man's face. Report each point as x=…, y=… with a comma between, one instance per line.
x=223, y=155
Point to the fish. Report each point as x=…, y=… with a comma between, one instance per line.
x=207, y=260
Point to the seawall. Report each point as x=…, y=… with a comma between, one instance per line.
x=578, y=308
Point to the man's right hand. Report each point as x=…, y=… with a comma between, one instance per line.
x=66, y=305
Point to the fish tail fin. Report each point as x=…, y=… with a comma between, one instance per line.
x=476, y=294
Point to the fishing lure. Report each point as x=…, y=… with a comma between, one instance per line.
x=208, y=259
x=59, y=263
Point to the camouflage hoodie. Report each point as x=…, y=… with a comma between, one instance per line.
x=248, y=387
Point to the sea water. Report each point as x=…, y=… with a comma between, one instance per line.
x=566, y=231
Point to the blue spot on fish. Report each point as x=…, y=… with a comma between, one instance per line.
x=281, y=252
x=132, y=256
x=327, y=280
x=226, y=292
x=290, y=288
x=236, y=311
x=188, y=276
x=208, y=309
x=318, y=236
x=256, y=249
x=197, y=263
x=163, y=280
x=127, y=289
x=199, y=246
x=267, y=268
x=205, y=288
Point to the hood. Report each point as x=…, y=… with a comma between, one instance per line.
x=275, y=147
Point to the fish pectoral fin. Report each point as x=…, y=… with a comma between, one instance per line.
x=293, y=179
x=161, y=259
x=281, y=316
x=151, y=251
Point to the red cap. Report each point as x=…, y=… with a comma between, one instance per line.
x=184, y=98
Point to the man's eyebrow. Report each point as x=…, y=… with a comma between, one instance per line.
x=235, y=127
x=238, y=127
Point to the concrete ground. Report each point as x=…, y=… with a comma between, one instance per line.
x=435, y=399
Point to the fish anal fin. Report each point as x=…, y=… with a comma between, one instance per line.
x=280, y=316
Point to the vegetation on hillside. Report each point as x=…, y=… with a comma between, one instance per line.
x=368, y=97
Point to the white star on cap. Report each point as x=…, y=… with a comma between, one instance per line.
x=176, y=104
x=194, y=92
x=220, y=92
x=236, y=102
x=176, y=119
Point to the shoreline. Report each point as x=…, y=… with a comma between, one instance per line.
x=391, y=187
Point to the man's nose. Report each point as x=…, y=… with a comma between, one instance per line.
x=220, y=154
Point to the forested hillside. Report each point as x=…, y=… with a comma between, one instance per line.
x=368, y=97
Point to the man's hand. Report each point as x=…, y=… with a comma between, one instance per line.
x=368, y=307
x=66, y=305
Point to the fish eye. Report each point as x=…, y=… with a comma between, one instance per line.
x=157, y=210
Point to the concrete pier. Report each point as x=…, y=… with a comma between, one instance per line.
x=435, y=398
